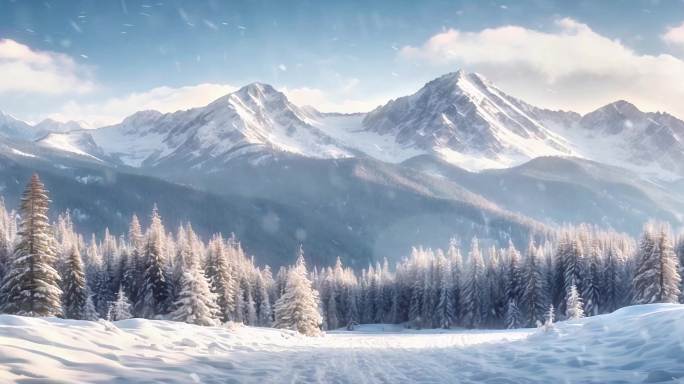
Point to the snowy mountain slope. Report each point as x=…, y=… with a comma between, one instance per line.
x=632, y=345
x=79, y=143
x=99, y=196
x=50, y=125
x=558, y=190
x=383, y=206
x=13, y=128
x=468, y=121
x=651, y=144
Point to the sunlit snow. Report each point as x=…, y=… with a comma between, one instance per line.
x=635, y=344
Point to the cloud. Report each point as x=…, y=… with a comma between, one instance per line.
x=163, y=99
x=675, y=36
x=571, y=67
x=328, y=102
x=24, y=70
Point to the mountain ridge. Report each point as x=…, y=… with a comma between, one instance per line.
x=462, y=117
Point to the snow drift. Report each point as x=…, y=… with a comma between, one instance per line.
x=635, y=344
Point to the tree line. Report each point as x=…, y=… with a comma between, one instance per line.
x=48, y=269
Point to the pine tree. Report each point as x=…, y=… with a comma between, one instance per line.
x=514, y=275
x=154, y=294
x=573, y=260
x=496, y=289
x=657, y=278
x=534, y=297
x=89, y=311
x=263, y=302
x=196, y=304
x=223, y=283
x=592, y=281
x=612, y=286
x=513, y=317
x=31, y=286
x=75, y=288
x=474, y=289
x=120, y=309
x=297, y=308
x=549, y=319
x=445, y=309
x=416, y=304
x=574, y=304
x=456, y=261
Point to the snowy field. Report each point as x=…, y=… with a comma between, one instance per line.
x=635, y=344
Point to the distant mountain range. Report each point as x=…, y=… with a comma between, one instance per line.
x=458, y=157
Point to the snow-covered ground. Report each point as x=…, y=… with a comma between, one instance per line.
x=634, y=344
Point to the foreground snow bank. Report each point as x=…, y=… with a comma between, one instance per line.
x=634, y=344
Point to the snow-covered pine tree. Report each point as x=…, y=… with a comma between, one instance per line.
x=444, y=313
x=557, y=274
x=513, y=318
x=89, y=311
x=250, y=310
x=573, y=304
x=263, y=302
x=474, y=288
x=429, y=293
x=456, y=262
x=135, y=265
x=352, y=314
x=196, y=303
x=31, y=286
x=657, y=278
x=496, y=288
x=592, y=280
x=297, y=308
x=612, y=284
x=534, y=296
x=111, y=267
x=416, y=304
x=573, y=261
x=154, y=294
x=331, y=305
x=514, y=275
x=75, y=289
x=119, y=309
x=222, y=282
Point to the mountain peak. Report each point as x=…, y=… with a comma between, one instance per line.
x=257, y=89
x=146, y=115
x=619, y=110
x=458, y=77
x=624, y=107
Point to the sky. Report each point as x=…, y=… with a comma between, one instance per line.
x=99, y=61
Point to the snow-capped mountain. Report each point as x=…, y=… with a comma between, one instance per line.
x=468, y=121
x=13, y=128
x=51, y=125
x=460, y=117
x=620, y=134
x=254, y=119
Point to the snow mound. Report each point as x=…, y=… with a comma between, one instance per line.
x=635, y=344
